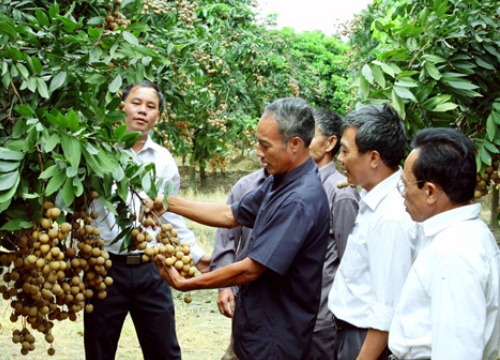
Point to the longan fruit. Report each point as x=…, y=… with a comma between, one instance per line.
x=188, y=298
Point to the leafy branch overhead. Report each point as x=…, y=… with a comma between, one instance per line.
x=437, y=62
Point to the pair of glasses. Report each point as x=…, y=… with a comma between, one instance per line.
x=401, y=185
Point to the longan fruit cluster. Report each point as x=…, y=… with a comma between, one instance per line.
x=490, y=177
x=218, y=162
x=186, y=11
x=219, y=124
x=114, y=20
x=50, y=271
x=156, y=6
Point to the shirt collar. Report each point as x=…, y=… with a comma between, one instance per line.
x=441, y=221
x=296, y=173
x=372, y=198
x=326, y=171
x=148, y=144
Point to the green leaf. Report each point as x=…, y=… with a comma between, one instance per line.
x=7, y=194
x=484, y=64
x=16, y=224
x=146, y=182
x=385, y=68
x=57, y=81
x=491, y=127
x=54, y=10
x=49, y=172
x=78, y=187
x=7, y=166
x=91, y=149
x=50, y=142
x=97, y=20
x=130, y=139
x=460, y=84
x=67, y=192
x=367, y=73
x=484, y=155
x=22, y=69
x=7, y=154
x=7, y=180
x=445, y=107
x=378, y=75
x=42, y=88
x=37, y=65
x=432, y=71
x=364, y=87
x=115, y=84
x=72, y=150
x=122, y=189
x=73, y=122
x=434, y=58
x=398, y=103
x=42, y=17
x=120, y=131
x=491, y=147
x=55, y=183
x=130, y=38
x=404, y=93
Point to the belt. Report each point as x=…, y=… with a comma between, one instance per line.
x=128, y=259
x=341, y=324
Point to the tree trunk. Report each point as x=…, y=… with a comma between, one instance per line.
x=494, y=208
x=192, y=178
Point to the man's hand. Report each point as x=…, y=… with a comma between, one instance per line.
x=170, y=274
x=226, y=302
x=203, y=265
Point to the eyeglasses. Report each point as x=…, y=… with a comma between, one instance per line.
x=401, y=185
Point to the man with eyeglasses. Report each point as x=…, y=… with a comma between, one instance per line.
x=449, y=307
x=378, y=255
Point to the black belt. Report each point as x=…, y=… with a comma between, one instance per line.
x=341, y=324
x=128, y=259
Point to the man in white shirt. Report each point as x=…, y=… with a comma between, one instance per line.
x=378, y=255
x=449, y=307
x=137, y=287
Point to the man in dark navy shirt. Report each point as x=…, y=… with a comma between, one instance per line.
x=281, y=276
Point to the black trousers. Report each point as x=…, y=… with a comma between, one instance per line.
x=138, y=290
x=349, y=340
x=323, y=345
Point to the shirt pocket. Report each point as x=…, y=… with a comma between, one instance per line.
x=355, y=262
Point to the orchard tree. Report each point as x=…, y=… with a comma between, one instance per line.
x=437, y=62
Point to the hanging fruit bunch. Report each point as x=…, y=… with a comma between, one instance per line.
x=50, y=272
x=490, y=177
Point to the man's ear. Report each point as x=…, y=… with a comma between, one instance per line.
x=374, y=158
x=295, y=142
x=331, y=142
x=432, y=192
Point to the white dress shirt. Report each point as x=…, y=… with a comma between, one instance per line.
x=449, y=306
x=377, y=259
x=166, y=169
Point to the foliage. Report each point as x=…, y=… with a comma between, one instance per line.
x=62, y=65
x=322, y=67
x=437, y=62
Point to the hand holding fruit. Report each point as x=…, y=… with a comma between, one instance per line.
x=170, y=274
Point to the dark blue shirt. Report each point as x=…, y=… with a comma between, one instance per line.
x=275, y=314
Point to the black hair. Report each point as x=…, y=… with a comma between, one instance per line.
x=447, y=158
x=380, y=129
x=295, y=118
x=330, y=124
x=147, y=84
